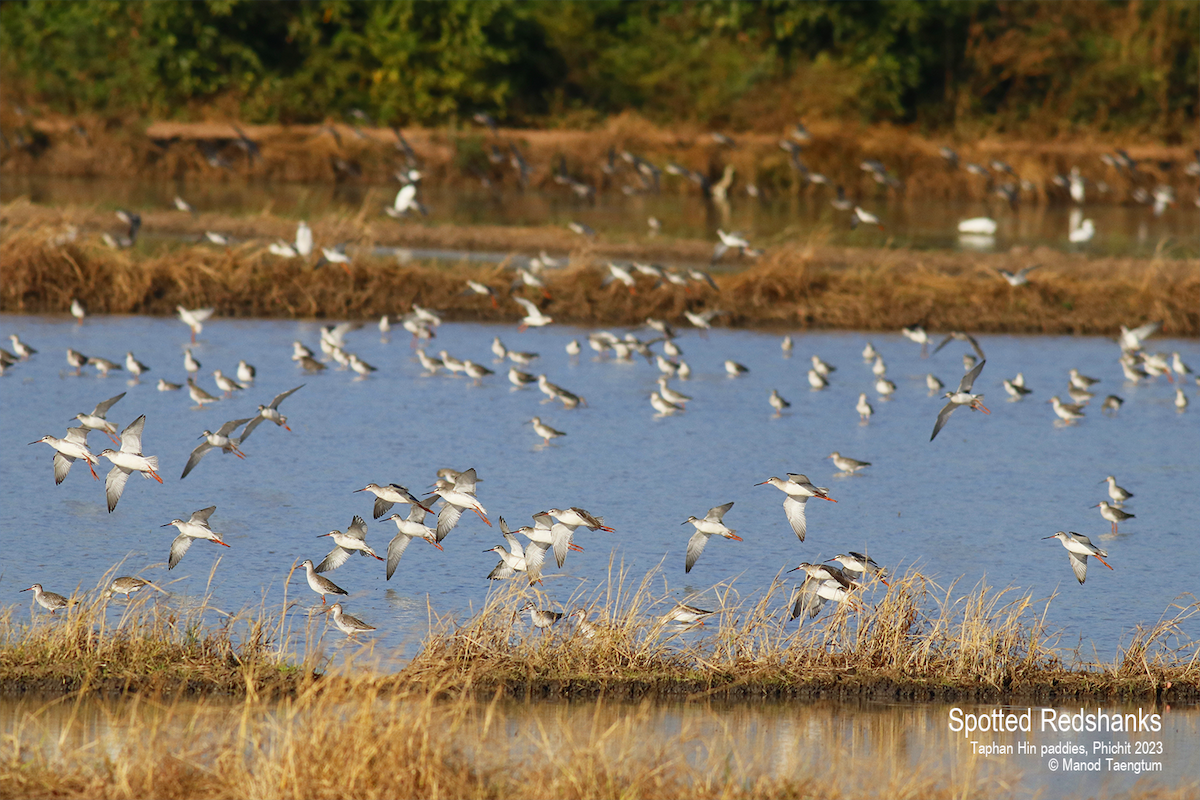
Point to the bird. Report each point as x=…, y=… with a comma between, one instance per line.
x=533, y=318
x=1118, y=494
x=540, y=617
x=1084, y=233
x=864, y=408
x=346, y=544
x=1113, y=514
x=199, y=396
x=194, y=318
x=985, y=226
x=1079, y=547
x=933, y=383
x=798, y=490
x=545, y=431
x=270, y=413
x=387, y=496
x=103, y=365
x=711, y=525
x=687, y=615
x=77, y=311
x=458, y=495
x=212, y=441
x=703, y=320
x=347, y=624
x=663, y=406
x=865, y=218
x=777, y=402
x=128, y=584
x=190, y=363
x=196, y=527
x=919, y=335
x=857, y=562
x=734, y=369
x=246, y=372
x=848, y=465
x=885, y=388
x=816, y=380
x=135, y=367
x=962, y=337
x=361, y=367
x=406, y=202
x=1068, y=412
x=1112, y=404
x=408, y=528
x=24, y=351
x=166, y=386
x=577, y=517
x=319, y=583
x=48, y=600
x=128, y=460
x=869, y=353
x=512, y=558
x=1016, y=390
x=225, y=384
x=96, y=421
x=670, y=395
x=813, y=593
x=962, y=397
x=1181, y=401
x=1018, y=278
x=67, y=449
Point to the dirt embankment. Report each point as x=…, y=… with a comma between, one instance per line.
x=227, y=151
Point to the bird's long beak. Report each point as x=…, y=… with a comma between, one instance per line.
x=1055, y=536
x=793, y=569
x=359, y=490
x=762, y=483
x=26, y=590
x=325, y=534
x=1097, y=505
x=169, y=524
x=39, y=441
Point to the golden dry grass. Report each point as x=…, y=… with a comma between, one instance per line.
x=795, y=286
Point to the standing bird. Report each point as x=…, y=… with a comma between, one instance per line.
x=196, y=527
x=1079, y=547
x=48, y=600
x=777, y=402
x=711, y=525
x=847, y=465
x=541, y=618
x=246, y=373
x=319, y=583
x=128, y=460
x=135, y=367
x=77, y=311
x=127, y=585
x=226, y=384
x=545, y=431
x=864, y=408
x=221, y=439
x=798, y=489
x=1118, y=494
x=1068, y=412
x=346, y=544
x=1113, y=514
x=347, y=624
x=962, y=397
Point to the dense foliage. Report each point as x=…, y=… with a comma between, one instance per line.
x=1041, y=66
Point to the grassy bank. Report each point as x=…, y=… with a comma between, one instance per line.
x=795, y=285
x=913, y=641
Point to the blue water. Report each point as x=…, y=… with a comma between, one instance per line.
x=973, y=504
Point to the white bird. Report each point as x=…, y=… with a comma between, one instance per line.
x=985, y=226
x=196, y=527
x=735, y=369
x=347, y=624
x=961, y=397
x=1018, y=278
x=1181, y=401
x=458, y=494
x=407, y=529
x=662, y=406
x=24, y=351
x=347, y=544
x=221, y=439
x=864, y=217
x=226, y=384
x=1083, y=233
x=619, y=273
x=703, y=320
x=95, y=421
x=545, y=431
x=319, y=583
x=406, y=201
x=848, y=465
x=864, y=408
x=885, y=388
x=190, y=363
x=304, y=239
x=669, y=394
x=77, y=311
x=127, y=460
x=777, y=402
x=533, y=318
x=816, y=380
x=1079, y=547
x=798, y=489
x=67, y=449
x=823, y=368
x=135, y=367
x=869, y=353
x=711, y=525
x=269, y=413
x=194, y=318
x=246, y=372
x=933, y=383
x=1068, y=412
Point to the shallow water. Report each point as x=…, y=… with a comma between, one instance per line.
x=1121, y=230
x=857, y=744
x=974, y=504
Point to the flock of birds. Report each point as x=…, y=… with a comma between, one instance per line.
x=554, y=529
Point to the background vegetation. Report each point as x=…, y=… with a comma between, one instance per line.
x=1030, y=68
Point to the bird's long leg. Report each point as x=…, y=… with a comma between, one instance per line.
x=1102, y=561
x=481, y=516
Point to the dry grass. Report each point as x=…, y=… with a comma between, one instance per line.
x=796, y=286
x=305, y=153
x=436, y=729
x=915, y=640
